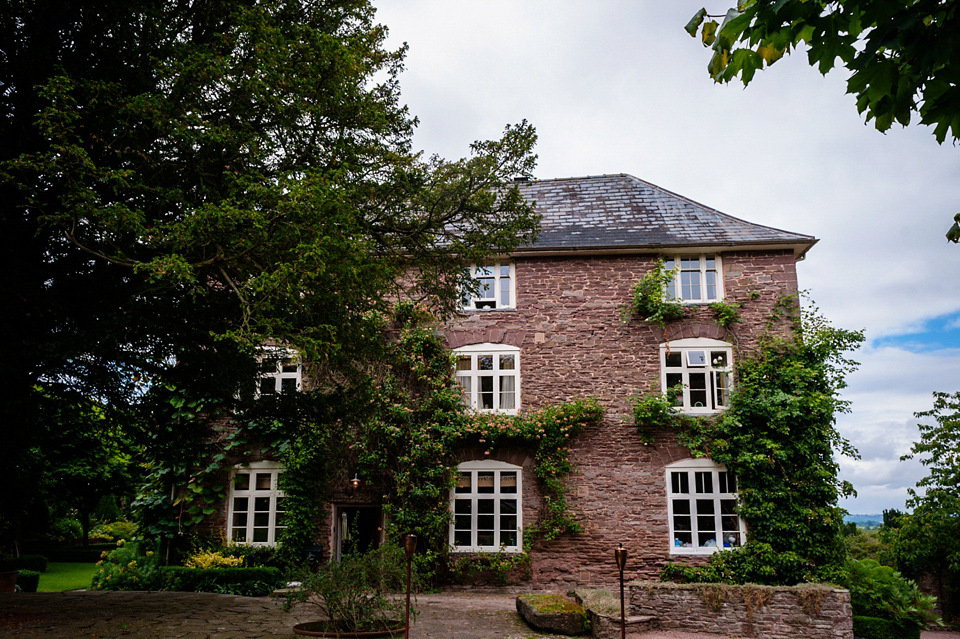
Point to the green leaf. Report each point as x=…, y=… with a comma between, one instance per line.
x=695, y=22
x=953, y=235
x=709, y=33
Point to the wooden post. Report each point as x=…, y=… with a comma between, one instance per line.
x=409, y=547
x=621, y=555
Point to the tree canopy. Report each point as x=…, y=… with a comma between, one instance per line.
x=182, y=181
x=903, y=55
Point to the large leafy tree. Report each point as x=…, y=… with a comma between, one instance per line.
x=903, y=55
x=184, y=180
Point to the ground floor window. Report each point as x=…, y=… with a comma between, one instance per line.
x=702, y=508
x=256, y=511
x=487, y=509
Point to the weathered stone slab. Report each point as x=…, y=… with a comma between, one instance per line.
x=553, y=613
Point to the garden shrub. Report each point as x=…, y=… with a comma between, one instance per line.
x=29, y=562
x=28, y=580
x=64, y=529
x=252, y=556
x=125, y=568
x=208, y=559
x=880, y=591
x=115, y=531
x=877, y=628
x=250, y=582
x=755, y=563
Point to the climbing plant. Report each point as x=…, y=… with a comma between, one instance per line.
x=649, y=301
x=409, y=447
x=779, y=436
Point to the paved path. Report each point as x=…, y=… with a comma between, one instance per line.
x=155, y=615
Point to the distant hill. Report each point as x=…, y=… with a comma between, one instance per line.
x=866, y=522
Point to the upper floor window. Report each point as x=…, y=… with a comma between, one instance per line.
x=699, y=372
x=490, y=377
x=702, y=508
x=256, y=507
x=487, y=507
x=697, y=278
x=497, y=282
x=285, y=377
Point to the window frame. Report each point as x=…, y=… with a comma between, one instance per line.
x=472, y=302
x=274, y=469
x=690, y=468
x=497, y=496
x=472, y=395
x=715, y=390
x=283, y=359
x=670, y=293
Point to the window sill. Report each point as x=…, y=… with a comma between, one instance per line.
x=485, y=550
x=506, y=309
x=675, y=550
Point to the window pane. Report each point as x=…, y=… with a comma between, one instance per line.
x=463, y=522
x=707, y=540
x=681, y=522
x=680, y=483
x=690, y=285
x=718, y=359
x=260, y=535
x=674, y=359
x=261, y=519
x=508, y=506
x=463, y=486
x=711, y=285
x=731, y=539
x=710, y=262
x=239, y=520
x=730, y=523
x=508, y=484
x=485, y=538
x=507, y=363
x=486, y=288
x=263, y=481
x=484, y=271
x=462, y=538
x=240, y=504
x=696, y=358
x=705, y=507
x=508, y=522
x=268, y=386
x=698, y=390
x=706, y=524
x=261, y=504
x=485, y=485
x=288, y=366
x=465, y=386
x=486, y=392
x=508, y=538
x=505, y=291
x=705, y=482
x=728, y=506
x=507, y=392
x=681, y=506
x=241, y=481
x=683, y=539
x=504, y=270
x=721, y=382
x=485, y=362
x=463, y=363
x=239, y=535
x=462, y=506
x=485, y=506
x=288, y=385
x=484, y=522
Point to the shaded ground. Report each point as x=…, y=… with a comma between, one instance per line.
x=152, y=615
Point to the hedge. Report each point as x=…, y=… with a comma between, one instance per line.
x=28, y=580
x=876, y=628
x=250, y=582
x=29, y=562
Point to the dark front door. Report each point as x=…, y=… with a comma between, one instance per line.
x=357, y=529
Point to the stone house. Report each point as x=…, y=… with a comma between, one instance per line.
x=547, y=328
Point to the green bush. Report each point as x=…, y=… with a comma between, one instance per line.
x=65, y=529
x=115, y=531
x=880, y=591
x=250, y=582
x=876, y=628
x=37, y=563
x=125, y=568
x=253, y=556
x=754, y=563
x=28, y=580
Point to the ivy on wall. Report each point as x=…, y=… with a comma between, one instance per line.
x=779, y=436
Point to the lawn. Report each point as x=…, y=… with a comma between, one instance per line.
x=66, y=576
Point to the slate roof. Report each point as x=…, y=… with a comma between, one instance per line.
x=609, y=212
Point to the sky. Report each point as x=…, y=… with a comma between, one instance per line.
x=617, y=86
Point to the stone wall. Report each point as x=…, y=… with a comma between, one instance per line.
x=809, y=611
x=574, y=344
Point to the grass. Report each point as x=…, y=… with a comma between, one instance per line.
x=62, y=576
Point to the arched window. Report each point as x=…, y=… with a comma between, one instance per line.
x=487, y=512
x=702, y=508
x=490, y=377
x=699, y=371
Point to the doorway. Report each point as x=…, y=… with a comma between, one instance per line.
x=356, y=529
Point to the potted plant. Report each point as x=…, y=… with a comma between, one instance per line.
x=354, y=597
x=8, y=575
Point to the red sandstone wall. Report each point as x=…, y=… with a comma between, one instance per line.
x=575, y=345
